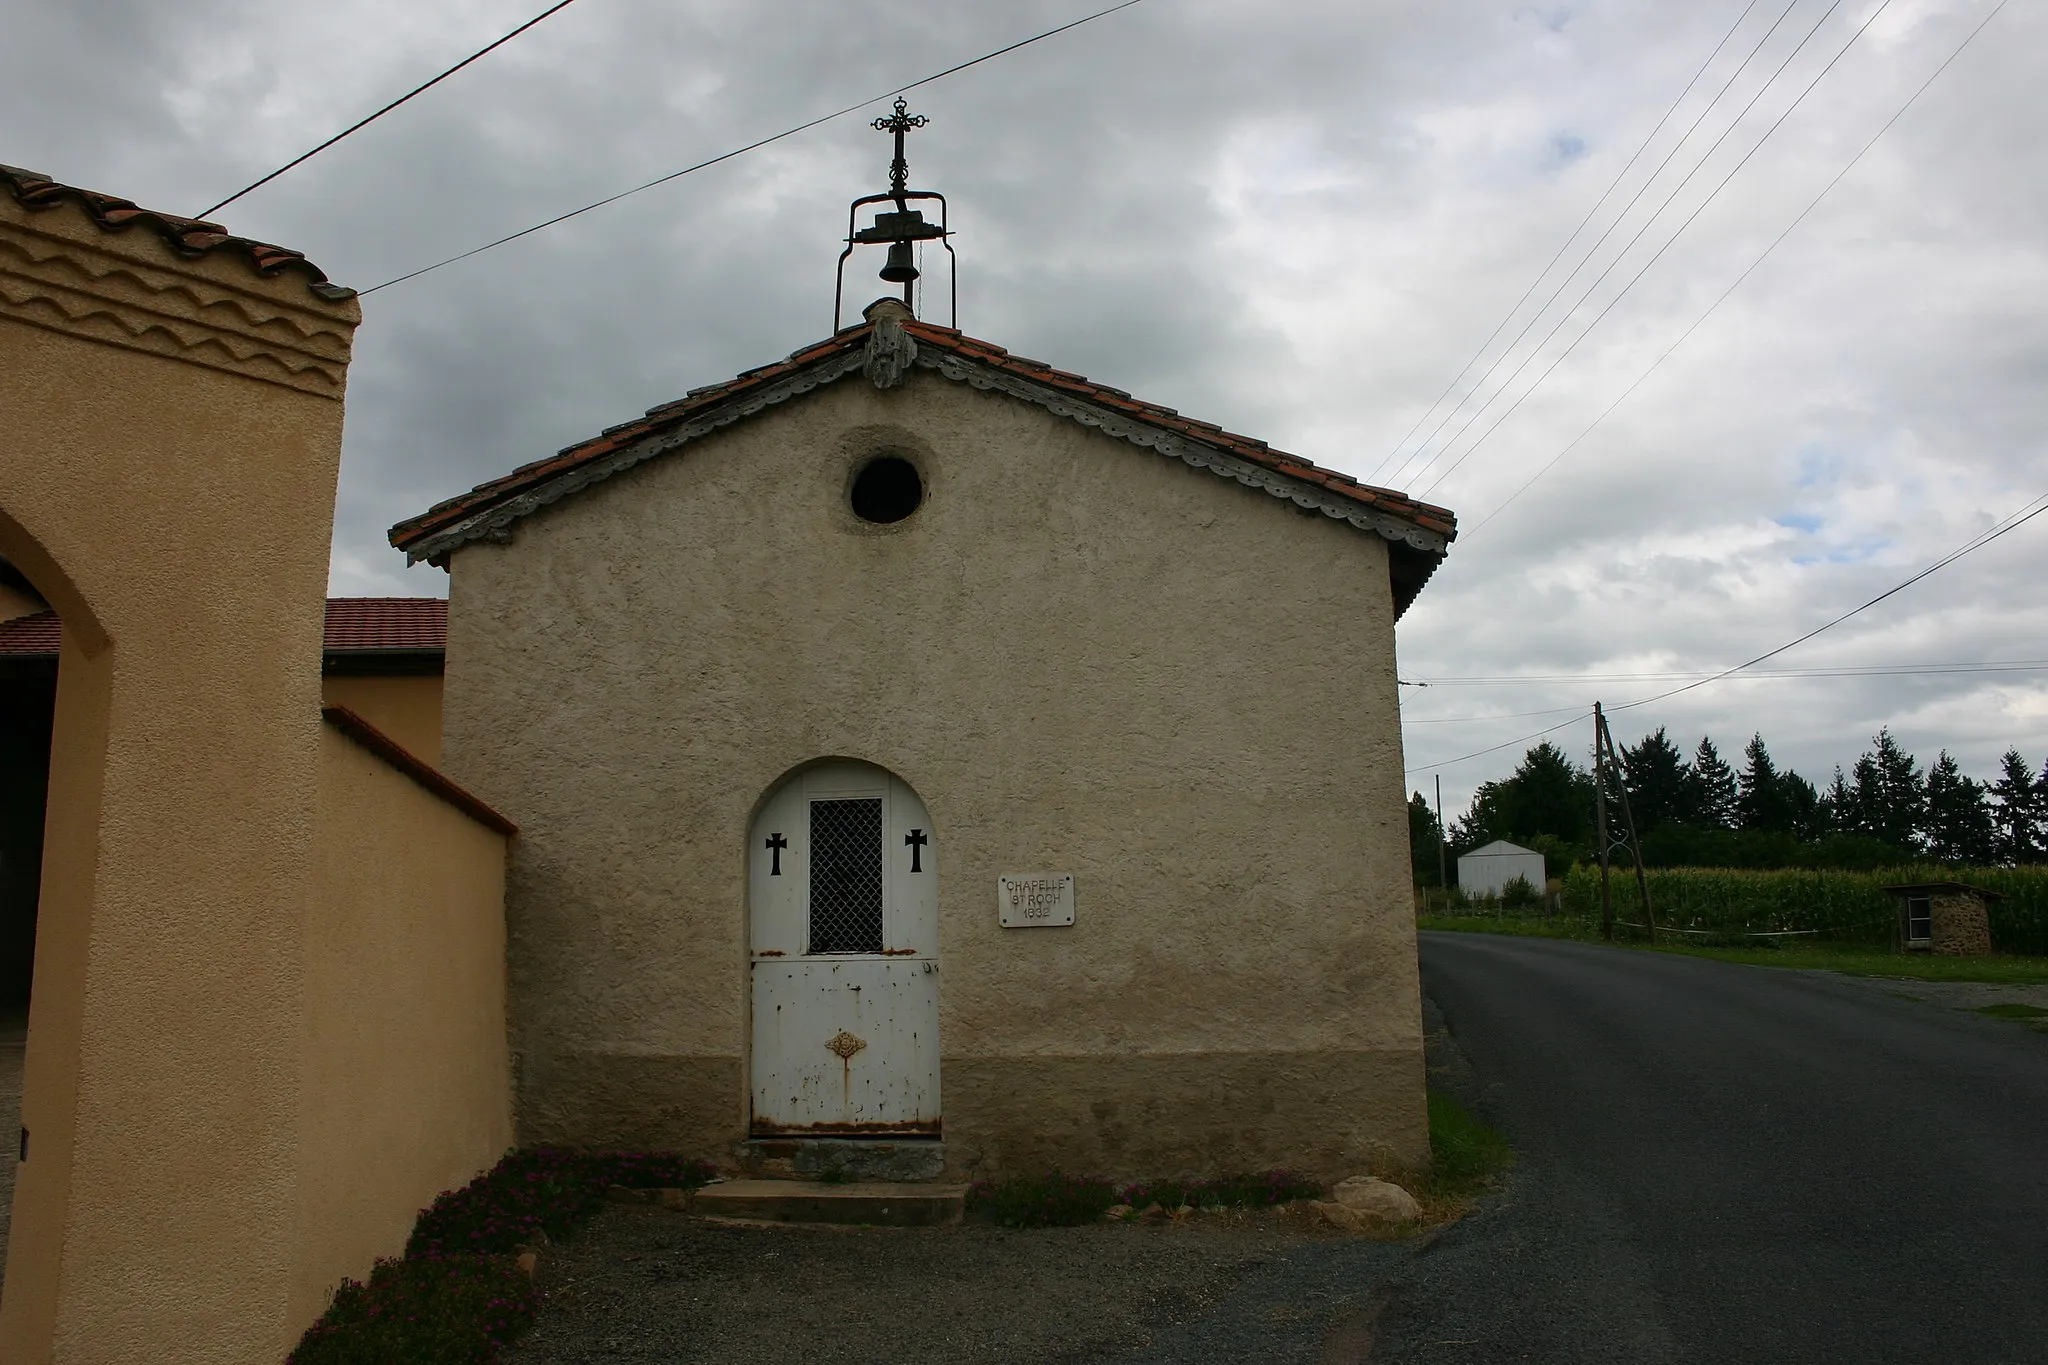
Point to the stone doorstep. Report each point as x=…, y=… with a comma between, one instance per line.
x=804, y=1201
x=856, y=1159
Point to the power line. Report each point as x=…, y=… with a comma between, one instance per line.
x=1771, y=675
x=1975, y=543
x=1655, y=256
x=1594, y=250
x=1591, y=214
x=1578, y=713
x=763, y=142
x=1865, y=671
x=363, y=123
x=1465, y=536
x=1659, y=254
x=2011, y=523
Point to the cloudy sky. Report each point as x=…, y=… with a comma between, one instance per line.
x=1299, y=220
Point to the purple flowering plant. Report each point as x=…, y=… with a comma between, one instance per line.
x=459, y=1294
x=438, y=1310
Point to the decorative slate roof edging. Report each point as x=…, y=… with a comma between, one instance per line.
x=884, y=348
x=191, y=238
x=419, y=770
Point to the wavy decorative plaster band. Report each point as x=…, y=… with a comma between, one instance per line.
x=115, y=278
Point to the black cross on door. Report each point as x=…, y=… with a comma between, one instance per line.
x=916, y=841
x=776, y=843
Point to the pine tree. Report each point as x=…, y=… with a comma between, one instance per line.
x=1711, y=792
x=1839, y=813
x=1423, y=833
x=1547, y=794
x=1655, y=774
x=1763, y=804
x=1958, y=827
x=1803, y=806
x=2018, y=809
x=1891, y=798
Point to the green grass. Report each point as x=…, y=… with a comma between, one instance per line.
x=1527, y=926
x=2009, y=969
x=2000, y=969
x=2012, y=1009
x=1466, y=1154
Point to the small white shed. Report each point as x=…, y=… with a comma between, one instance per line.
x=1488, y=868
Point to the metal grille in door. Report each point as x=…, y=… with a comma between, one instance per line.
x=846, y=876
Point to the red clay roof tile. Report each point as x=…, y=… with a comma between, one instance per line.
x=31, y=636
x=189, y=237
x=411, y=532
x=354, y=624
x=407, y=623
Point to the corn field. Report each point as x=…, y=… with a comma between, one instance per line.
x=1840, y=907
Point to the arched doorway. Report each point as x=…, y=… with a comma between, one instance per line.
x=844, y=926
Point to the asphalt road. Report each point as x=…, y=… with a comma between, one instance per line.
x=1724, y=1163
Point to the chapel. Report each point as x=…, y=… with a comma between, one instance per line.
x=918, y=745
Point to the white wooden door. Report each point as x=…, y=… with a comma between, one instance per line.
x=843, y=902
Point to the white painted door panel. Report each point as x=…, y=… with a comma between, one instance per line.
x=843, y=913
x=846, y=1046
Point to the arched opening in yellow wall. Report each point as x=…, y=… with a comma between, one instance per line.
x=33, y=741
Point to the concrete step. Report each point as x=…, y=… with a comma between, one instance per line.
x=805, y=1201
x=845, y=1159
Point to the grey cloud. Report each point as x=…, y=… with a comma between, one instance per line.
x=1295, y=220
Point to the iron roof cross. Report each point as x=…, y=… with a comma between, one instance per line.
x=899, y=123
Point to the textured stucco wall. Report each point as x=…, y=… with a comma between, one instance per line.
x=406, y=1081
x=406, y=708
x=173, y=430
x=1084, y=657
x=14, y=602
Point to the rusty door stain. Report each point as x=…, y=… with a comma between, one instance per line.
x=844, y=922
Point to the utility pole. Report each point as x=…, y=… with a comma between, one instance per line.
x=1443, y=883
x=1606, y=764
x=1600, y=820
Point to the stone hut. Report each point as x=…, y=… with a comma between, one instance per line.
x=1951, y=919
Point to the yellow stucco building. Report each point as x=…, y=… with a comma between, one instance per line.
x=912, y=740
x=267, y=1016
x=902, y=741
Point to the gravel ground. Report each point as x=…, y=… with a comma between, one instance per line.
x=646, y=1284
x=1274, y=1286
x=1956, y=995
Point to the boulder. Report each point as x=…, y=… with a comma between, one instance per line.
x=1375, y=1200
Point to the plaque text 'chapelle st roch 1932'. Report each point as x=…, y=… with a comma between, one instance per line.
x=1036, y=900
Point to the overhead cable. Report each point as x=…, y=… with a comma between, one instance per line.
x=1591, y=214
x=1645, y=269
x=366, y=122
x=1864, y=671
x=1465, y=534
x=1977, y=542
x=759, y=143
x=1400, y=470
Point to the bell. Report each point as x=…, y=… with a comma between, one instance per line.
x=900, y=269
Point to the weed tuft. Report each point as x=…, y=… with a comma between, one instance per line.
x=1466, y=1154
x=1052, y=1200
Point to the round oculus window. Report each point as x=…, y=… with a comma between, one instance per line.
x=886, y=490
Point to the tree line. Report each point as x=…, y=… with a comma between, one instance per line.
x=1703, y=811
